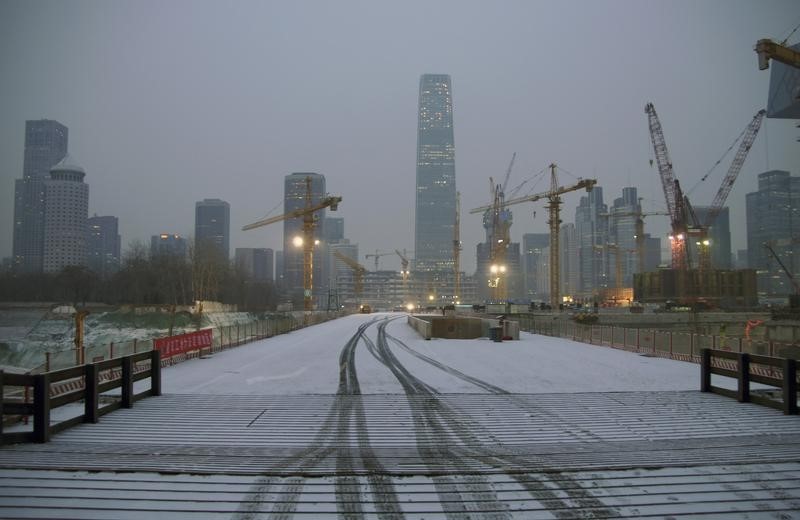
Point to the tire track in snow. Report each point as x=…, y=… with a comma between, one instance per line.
x=332, y=440
x=445, y=421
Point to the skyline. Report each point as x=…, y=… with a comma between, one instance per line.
x=168, y=105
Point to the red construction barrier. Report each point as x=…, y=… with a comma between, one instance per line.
x=183, y=343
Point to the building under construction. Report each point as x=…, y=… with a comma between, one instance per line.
x=696, y=288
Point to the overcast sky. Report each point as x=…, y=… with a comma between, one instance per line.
x=170, y=102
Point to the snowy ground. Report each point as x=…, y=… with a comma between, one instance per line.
x=306, y=362
x=361, y=418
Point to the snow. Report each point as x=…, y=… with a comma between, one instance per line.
x=305, y=362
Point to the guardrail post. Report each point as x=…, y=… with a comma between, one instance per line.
x=91, y=396
x=790, y=387
x=127, y=382
x=744, y=378
x=41, y=408
x=155, y=372
x=705, y=370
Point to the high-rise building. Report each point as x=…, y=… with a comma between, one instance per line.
x=255, y=263
x=568, y=277
x=212, y=225
x=45, y=146
x=296, y=188
x=167, y=244
x=66, y=210
x=591, y=230
x=104, y=245
x=622, y=234
x=773, y=218
x=436, y=176
x=534, y=246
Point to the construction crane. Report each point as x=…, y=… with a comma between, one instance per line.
x=553, y=196
x=309, y=223
x=749, y=136
x=403, y=263
x=358, y=272
x=457, y=250
x=788, y=273
x=768, y=49
x=376, y=256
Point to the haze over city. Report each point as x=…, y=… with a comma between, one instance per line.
x=171, y=103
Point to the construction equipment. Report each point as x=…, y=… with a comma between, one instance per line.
x=309, y=223
x=403, y=263
x=768, y=49
x=457, y=250
x=358, y=272
x=748, y=137
x=683, y=221
x=376, y=256
x=553, y=196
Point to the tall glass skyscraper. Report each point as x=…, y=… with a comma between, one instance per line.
x=212, y=224
x=436, y=176
x=45, y=145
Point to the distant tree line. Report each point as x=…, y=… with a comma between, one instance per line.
x=146, y=280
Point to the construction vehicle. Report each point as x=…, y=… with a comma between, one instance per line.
x=683, y=221
x=553, y=196
x=358, y=272
x=309, y=223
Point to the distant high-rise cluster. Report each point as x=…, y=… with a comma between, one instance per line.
x=436, y=176
x=52, y=228
x=45, y=146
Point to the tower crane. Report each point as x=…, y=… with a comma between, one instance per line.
x=376, y=256
x=553, y=196
x=309, y=223
x=358, y=272
x=403, y=263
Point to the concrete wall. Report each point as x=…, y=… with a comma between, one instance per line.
x=460, y=328
x=423, y=327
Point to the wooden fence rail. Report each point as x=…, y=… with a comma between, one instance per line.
x=781, y=373
x=96, y=379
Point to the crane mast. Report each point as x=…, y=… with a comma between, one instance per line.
x=309, y=223
x=553, y=197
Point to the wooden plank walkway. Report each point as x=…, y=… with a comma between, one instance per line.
x=630, y=454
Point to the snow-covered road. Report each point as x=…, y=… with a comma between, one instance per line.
x=307, y=362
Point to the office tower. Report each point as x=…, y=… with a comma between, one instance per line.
x=167, y=244
x=212, y=225
x=255, y=263
x=652, y=253
x=719, y=236
x=103, y=245
x=773, y=218
x=569, y=261
x=279, y=280
x=45, y=146
x=622, y=235
x=66, y=210
x=296, y=188
x=534, y=245
x=436, y=176
x=591, y=230
x=333, y=229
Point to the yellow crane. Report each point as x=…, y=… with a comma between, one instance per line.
x=553, y=196
x=309, y=223
x=376, y=256
x=768, y=49
x=358, y=272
